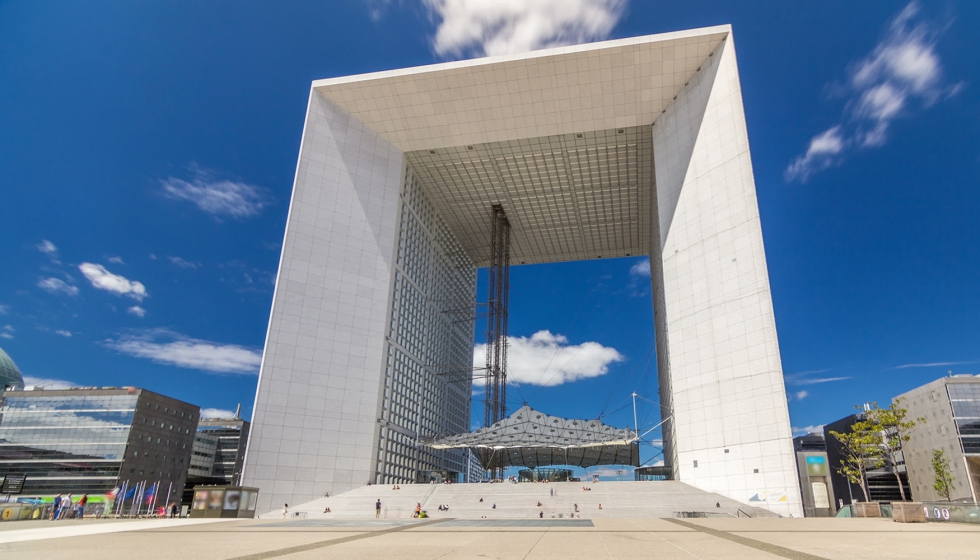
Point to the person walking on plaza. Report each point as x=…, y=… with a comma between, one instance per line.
x=377, y=509
x=66, y=504
x=173, y=510
x=81, y=505
x=55, y=507
x=285, y=510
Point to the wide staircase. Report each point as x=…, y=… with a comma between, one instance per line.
x=618, y=499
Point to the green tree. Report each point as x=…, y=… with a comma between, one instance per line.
x=943, y=475
x=894, y=426
x=862, y=450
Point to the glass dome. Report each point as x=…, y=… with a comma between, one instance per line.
x=10, y=376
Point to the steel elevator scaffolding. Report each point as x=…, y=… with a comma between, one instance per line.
x=495, y=394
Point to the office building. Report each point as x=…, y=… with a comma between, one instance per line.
x=951, y=407
x=631, y=147
x=230, y=436
x=90, y=440
x=882, y=484
x=816, y=486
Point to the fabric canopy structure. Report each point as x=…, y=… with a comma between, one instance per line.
x=529, y=438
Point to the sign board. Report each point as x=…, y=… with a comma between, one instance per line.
x=13, y=484
x=821, y=499
x=816, y=465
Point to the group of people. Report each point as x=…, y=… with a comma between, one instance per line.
x=64, y=505
x=443, y=508
x=586, y=489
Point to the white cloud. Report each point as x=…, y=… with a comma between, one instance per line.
x=105, y=280
x=217, y=413
x=184, y=264
x=31, y=382
x=56, y=285
x=818, y=429
x=641, y=268
x=136, y=310
x=816, y=380
x=934, y=364
x=167, y=347
x=493, y=27
x=902, y=71
x=800, y=395
x=115, y=260
x=47, y=248
x=4, y=309
x=5, y=332
x=64, y=333
x=217, y=197
x=547, y=359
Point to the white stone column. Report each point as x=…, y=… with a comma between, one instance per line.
x=719, y=355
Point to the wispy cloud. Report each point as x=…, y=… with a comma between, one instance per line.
x=817, y=380
x=63, y=333
x=56, y=285
x=807, y=377
x=6, y=331
x=800, y=395
x=115, y=260
x=935, y=364
x=4, y=309
x=903, y=72
x=218, y=197
x=102, y=279
x=48, y=248
x=136, y=310
x=547, y=359
x=167, y=347
x=184, y=264
x=472, y=28
x=641, y=269
x=31, y=383
x=217, y=413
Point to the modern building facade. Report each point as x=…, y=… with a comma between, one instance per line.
x=882, y=484
x=951, y=407
x=623, y=148
x=90, y=440
x=813, y=466
x=230, y=436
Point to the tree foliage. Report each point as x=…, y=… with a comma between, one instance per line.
x=862, y=450
x=943, y=475
x=894, y=426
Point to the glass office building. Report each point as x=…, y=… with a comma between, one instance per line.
x=230, y=435
x=89, y=441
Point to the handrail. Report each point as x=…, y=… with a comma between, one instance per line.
x=741, y=513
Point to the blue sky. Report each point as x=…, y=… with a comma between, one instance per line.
x=147, y=152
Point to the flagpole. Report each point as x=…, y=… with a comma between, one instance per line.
x=167, y=502
x=120, y=498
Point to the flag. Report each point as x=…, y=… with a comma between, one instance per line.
x=150, y=492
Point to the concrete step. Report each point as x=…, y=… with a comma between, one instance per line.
x=618, y=499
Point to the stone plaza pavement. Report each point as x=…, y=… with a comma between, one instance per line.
x=449, y=539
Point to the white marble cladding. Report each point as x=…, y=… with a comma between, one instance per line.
x=315, y=424
x=731, y=430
